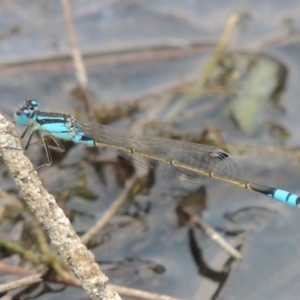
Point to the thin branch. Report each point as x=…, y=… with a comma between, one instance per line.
x=19, y=283
x=51, y=217
x=213, y=234
x=111, y=212
x=139, y=294
x=193, y=93
x=76, y=53
x=78, y=63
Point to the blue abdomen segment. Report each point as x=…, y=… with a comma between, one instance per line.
x=286, y=197
x=276, y=194
x=81, y=138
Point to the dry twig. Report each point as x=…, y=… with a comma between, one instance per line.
x=111, y=212
x=19, y=283
x=51, y=217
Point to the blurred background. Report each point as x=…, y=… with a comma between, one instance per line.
x=223, y=73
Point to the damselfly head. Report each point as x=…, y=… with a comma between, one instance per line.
x=26, y=113
x=21, y=116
